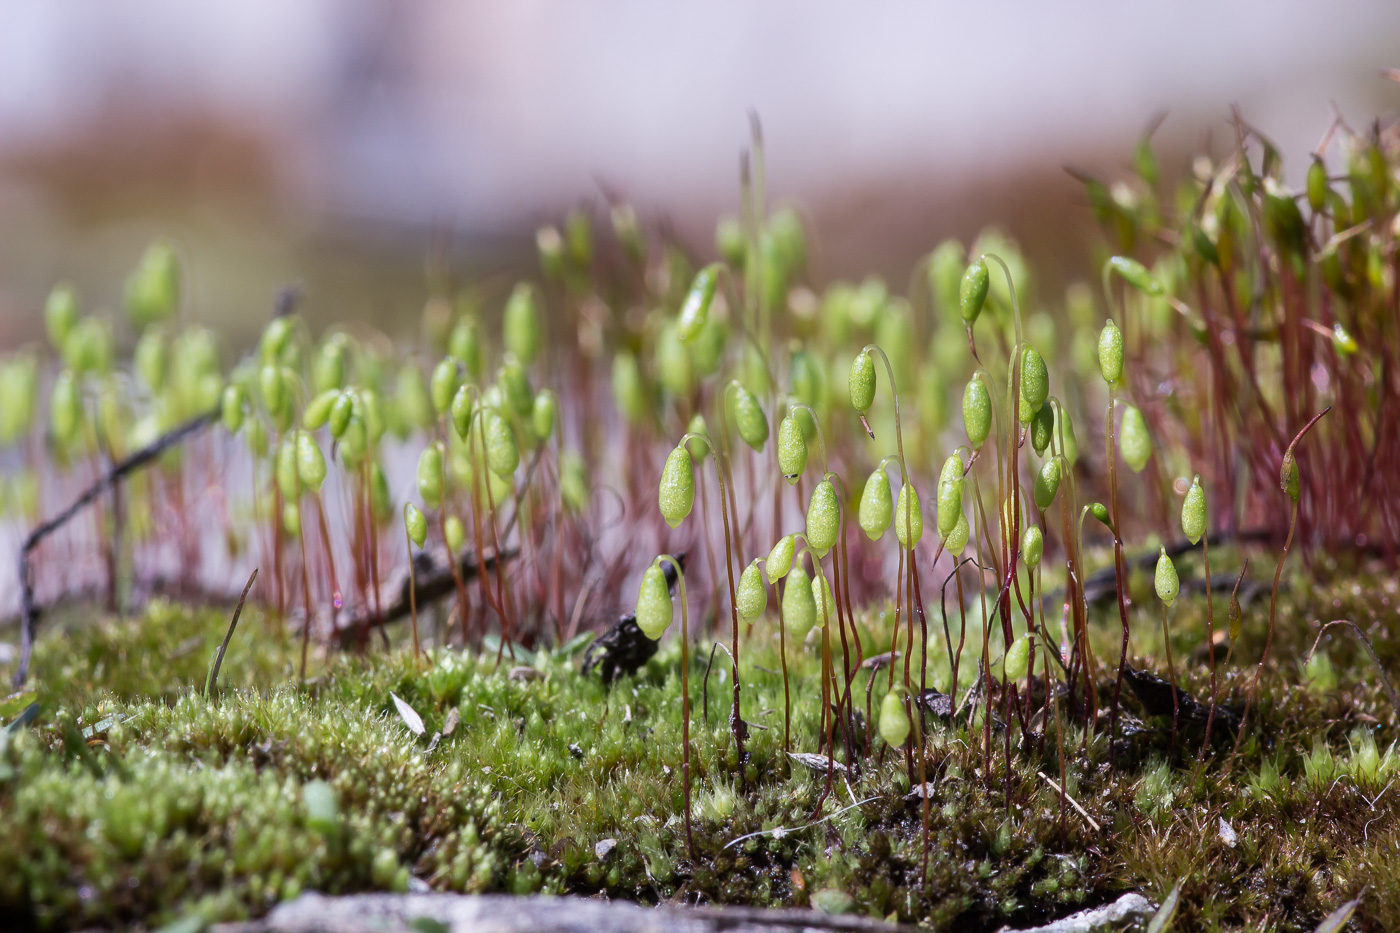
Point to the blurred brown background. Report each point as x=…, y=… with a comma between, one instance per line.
x=336, y=143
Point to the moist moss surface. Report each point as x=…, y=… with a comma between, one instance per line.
x=133, y=800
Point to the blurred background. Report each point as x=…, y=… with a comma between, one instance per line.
x=336, y=144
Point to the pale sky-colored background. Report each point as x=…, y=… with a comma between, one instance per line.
x=331, y=142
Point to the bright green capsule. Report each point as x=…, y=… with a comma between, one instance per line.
x=1136, y=275
x=461, y=410
x=654, y=607
x=751, y=597
x=153, y=289
x=60, y=314
x=1018, y=659
x=274, y=389
x=1111, y=353
x=673, y=366
x=876, y=505
x=1043, y=429
x=318, y=411
x=232, y=409
x=443, y=384
x=1165, y=581
x=779, y=560
x=502, y=455
x=1134, y=441
x=749, y=419
x=521, y=328
x=695, y=311
x=430, y=476
x=66, y=408
x=341, y=410
x=823, y=517
x=950, y=494
x=455, y=533
x=972, y=292
x=311, y=463
x=1100, y=511
x=862, y=382
x=894, y=719
x=1047, y=483
x=328, y=368
x=515, y=385
x=698, y=445
x=1317, y=185
x=415, y=523
x=275, y=339
x=151, y=359
x=957, y=538
x=288, y=476
x=1343, y=342
x=792, y=449
x=676, y=492
x=1035, y=384
x=908, y=519
x=543, y=416
x=822, y=598
x=977, y=413
x=1032, y=545
x=256, y=436
x=464, y=343
x=799, y=607
x=1288, y=475
x=1193, y=512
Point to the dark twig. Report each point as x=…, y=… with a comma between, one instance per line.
x=213, y=681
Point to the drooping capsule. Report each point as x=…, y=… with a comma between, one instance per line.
x=695, y=311
x=1043, y=429
x=430, y=476
x=60, y=314
x=876, y=505
x=1047, y=483
x=749, y=419
x=65, y=408
x=455, y=533
x=1165, y=580
x=1193, y=512
x=521, y=328
x=823, y=517
x=1032, y=545
x=862, y=382
x=676, y=491
x=972, y=292
x=654, y=609
x=956, y=541
x=1134, y=441
x=822, y=598
x=311, y=463
x=1018, y=658
x=287, y=475
x=908, y=517
x=750, y=596
x=792, y=448
x=1136, y=275
x=799, y=608
x=318, y=410
x=443, y=384
x=232, y=412
x=502, y=454
x=1100, y=512
x=1035, y=384
x=779, y=560
x=1288, y=475
x=515, y=385
x=950, y=494
x=894, y=719
x=1111, y=353
x=977, y=412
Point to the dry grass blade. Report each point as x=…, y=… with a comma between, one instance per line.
x=213, y=681
x=1339, y=917
x=1162, y=919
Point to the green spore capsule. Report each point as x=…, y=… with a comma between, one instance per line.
x=977, y=413
x=1018, y=659
x=379, y=499
x=1032, y=546
x=629, y=389
x=544, y=415
x=950, y=494
x=430, y=476
x=908, y=518
x=515, y=385
x=749, y=419
x=672, y=363
x=1100, y=511
x=1165, y=580
x=318, y=411
x=291, y=519
x=1134, y=441
x=455, y=533
x=1136, y=275
x=275, y=339
x=676, y=492
x=956, y=541
x=66, y=408
x=443, y=384
x=273, y=388
x=1111, y=353
x=341, y=411
x=520, y=323
x=1317, y=185
x=1035, y=384
x=256, y=436
x=894, y=719
x=415, y=523
x=1047, y=483
x=231, y=411
x=1236, y=617
x=792, y=449
x=654, y=607
x=822, y=598
x=464, y=343
x=1193, y=512
x=972, y=291
x=823, y=517
x=698, y=445
x=862, y=382
x=876, y=505
x=750, y=597
x=151, y=359
x=60, y=314
x=1343, y=342
x=328, y=369
x=695, y=311
x=779, y=560
x=153, y=289
x=461, y=411
x=1042, y=429
x=311, y=463
x=1288, y=475
x=502, y=455
x=799, y=607
x=288, y=476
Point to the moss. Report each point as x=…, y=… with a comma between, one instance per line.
x=175, y=804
